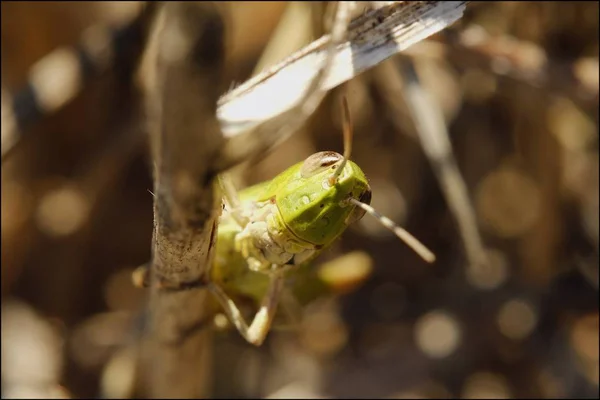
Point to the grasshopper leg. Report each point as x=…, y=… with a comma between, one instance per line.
x=259, y=328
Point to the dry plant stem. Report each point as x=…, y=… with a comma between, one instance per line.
x=183, y=67
x=260, y=108
x=432, y=132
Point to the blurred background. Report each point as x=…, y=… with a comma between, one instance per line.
x=517, y=84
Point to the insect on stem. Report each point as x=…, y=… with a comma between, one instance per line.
x=406, y=237
x=347, y=128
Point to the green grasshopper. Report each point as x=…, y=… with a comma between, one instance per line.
x=271, y=229
x=274, y=229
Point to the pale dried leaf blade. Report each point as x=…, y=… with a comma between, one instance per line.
x=372, y=38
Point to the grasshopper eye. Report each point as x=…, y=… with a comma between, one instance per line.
x=358, y=212
x=319, y=162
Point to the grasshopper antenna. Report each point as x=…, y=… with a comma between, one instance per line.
x=347, y=128
x=402, y=233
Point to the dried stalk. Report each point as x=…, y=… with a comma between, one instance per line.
x=182, y=66
x=434, y=138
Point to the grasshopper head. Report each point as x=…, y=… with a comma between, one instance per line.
x=319, y=198
x=316, y=210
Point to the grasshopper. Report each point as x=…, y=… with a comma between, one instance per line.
x=270, y=230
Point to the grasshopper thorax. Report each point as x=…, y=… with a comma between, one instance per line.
x=313, y=208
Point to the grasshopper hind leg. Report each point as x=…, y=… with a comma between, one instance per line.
x=258, y=329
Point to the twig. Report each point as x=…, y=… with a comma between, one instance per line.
x=431, y=128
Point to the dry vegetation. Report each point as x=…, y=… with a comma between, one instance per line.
x=517, y=84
